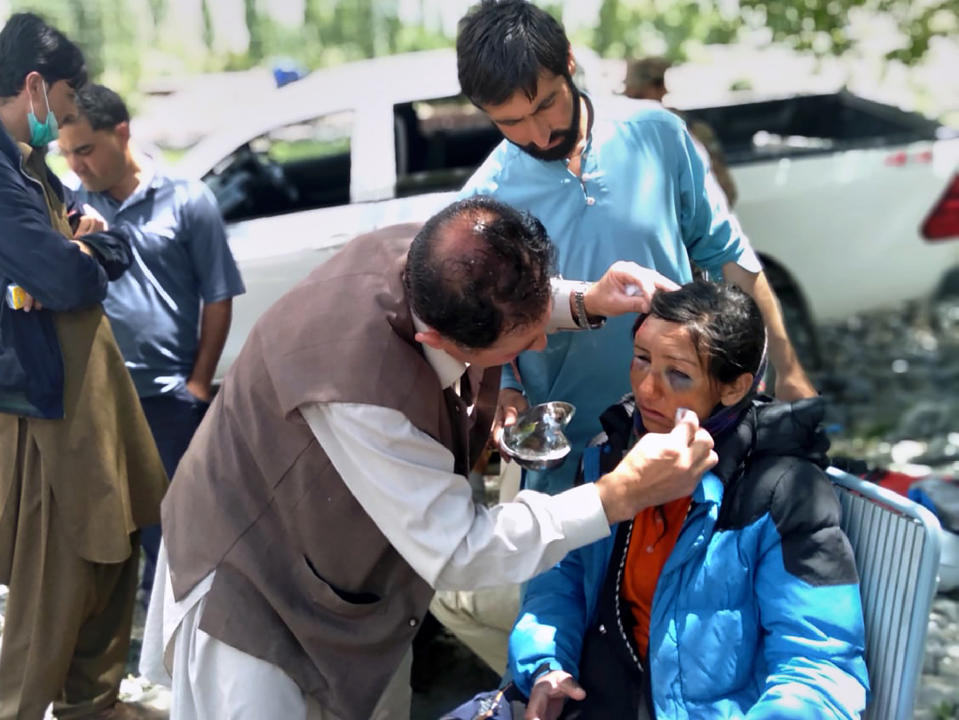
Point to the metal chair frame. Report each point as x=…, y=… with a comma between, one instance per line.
x=897, y=545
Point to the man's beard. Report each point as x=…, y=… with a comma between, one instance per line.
x=569, y=135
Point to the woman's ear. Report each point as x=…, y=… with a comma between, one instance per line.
x=732, y=393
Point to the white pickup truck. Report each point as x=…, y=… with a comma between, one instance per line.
x=852, y=204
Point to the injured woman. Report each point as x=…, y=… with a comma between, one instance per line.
x=740, y=600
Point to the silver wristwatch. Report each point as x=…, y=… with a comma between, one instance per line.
x=582, y=319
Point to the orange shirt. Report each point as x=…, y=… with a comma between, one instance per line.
x=653, y=539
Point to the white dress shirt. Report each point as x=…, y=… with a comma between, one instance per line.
x=404, y=480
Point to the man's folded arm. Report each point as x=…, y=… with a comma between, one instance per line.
x=41, y=260
x=112, y=249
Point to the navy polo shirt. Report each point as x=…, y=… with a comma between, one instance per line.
x=181, y=259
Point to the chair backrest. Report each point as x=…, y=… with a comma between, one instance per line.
x=897, y=546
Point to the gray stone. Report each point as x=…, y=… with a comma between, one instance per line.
x=935, y=690
x=906, y=451
x=949, y=668
x=949, y=610
x=925, y=419
x=940, y=450
x=936, y=648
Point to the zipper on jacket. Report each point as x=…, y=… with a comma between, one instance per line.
x=618, y=600
x=30, y=177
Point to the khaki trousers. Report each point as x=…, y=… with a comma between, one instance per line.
x=480, y=619
x=67, y=625
x=483, y=619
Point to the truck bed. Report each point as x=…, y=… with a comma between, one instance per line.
x=811, y=124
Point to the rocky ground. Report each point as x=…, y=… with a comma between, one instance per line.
x=938, y=697
x=894, y=380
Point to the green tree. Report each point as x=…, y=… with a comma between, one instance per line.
x=609, y=28
x=354, y=24
x=317, y=14
x=158, y=10
x=668, y=27
x=254, y=26
x=822, y=27
x=88, y=33
x=81, y=20
x=208, y=32
x=118, y=47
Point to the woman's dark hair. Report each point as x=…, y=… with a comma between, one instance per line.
x=723, y=322
x=478, y=269
x=102, y=107
x=29, y=44
x=503, y=45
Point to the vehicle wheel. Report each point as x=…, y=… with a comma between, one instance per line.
x=949, y=285
x=798, y=320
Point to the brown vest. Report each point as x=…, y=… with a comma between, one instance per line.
x=304, y=577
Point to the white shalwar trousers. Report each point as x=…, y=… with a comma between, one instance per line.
x=214, y=681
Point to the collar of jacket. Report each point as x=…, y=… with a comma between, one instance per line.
x=709, y=491
x=768, y=427
x=617, y=422
x=777, y=428
x=9, y=147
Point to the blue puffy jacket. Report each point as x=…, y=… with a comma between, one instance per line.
x=757, y=611
x=54, y=271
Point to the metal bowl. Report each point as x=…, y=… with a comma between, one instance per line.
x=536, y=441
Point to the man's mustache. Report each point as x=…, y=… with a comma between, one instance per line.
x=560, y=135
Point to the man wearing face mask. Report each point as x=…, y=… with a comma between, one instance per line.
x=79, y=472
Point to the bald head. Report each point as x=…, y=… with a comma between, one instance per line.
x=479, y=269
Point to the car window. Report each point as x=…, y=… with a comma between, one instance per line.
x=439, y=143
x=300, y=166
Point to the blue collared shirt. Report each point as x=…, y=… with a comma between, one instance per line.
x=181, y=258
x=645, y=195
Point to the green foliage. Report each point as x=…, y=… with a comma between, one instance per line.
x=946, y=710
x=822, y=26
x=158, y=10
x=631, y=28
x=104, y=29
x=672, y=27
x=338, y=30
x=920, y=22
x=208, y=32
x=127, y=41
x=286, y=151
x=255, y=26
